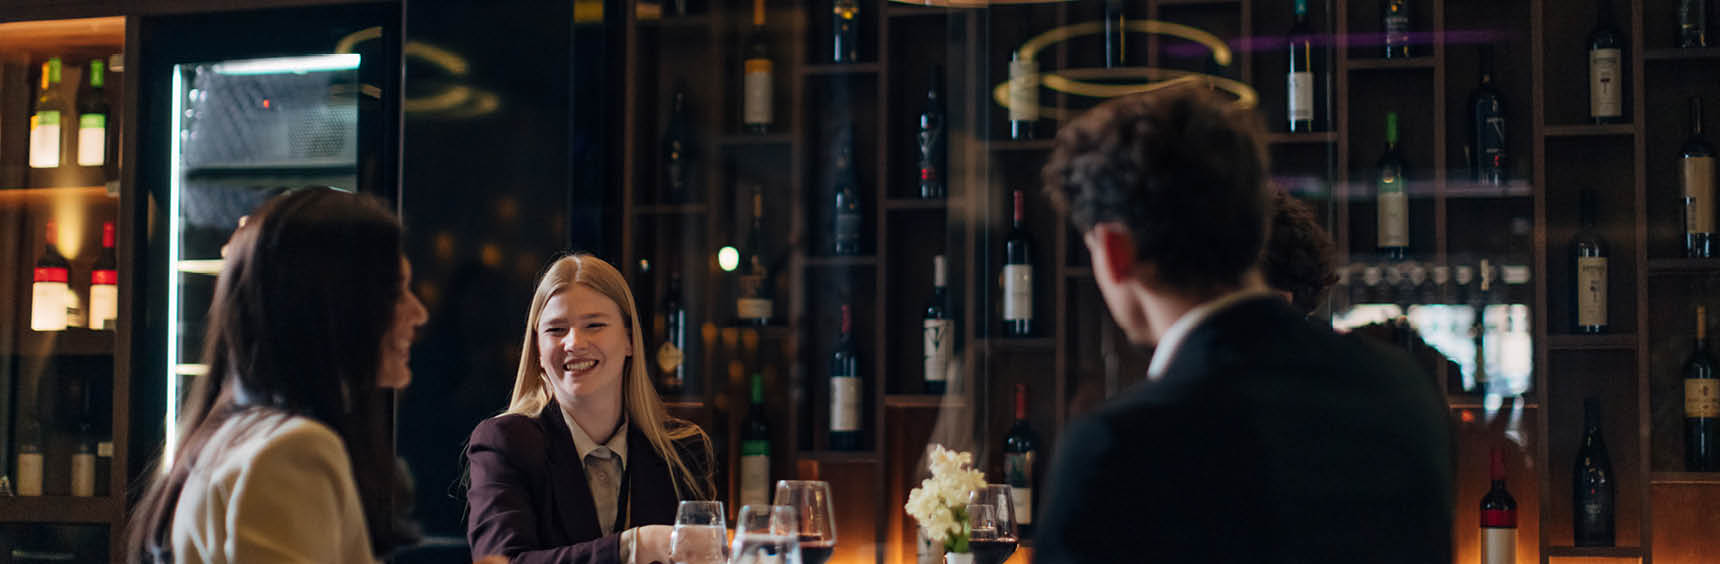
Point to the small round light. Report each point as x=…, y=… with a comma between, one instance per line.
x=728, y=258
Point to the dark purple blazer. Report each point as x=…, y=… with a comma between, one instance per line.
x=528, y=499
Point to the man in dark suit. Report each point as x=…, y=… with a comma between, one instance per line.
x=1257, y=437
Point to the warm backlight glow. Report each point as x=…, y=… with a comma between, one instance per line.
x=728, y=258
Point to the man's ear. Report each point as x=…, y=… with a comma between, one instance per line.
x=1113, y=251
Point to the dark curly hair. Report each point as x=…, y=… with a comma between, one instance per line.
x=1300, y=255
x=1182, y=168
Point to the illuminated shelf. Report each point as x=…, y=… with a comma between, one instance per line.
x=1472, y=402
x=1594, y=552
x=1686, y=478
x=211, y=267
x=63, y=35
x=58, y=509
x=191, y=369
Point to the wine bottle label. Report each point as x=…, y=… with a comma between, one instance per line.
x=1018, y=473
x=92, y=139
x=757, y=95
x=1698, y=179
x=1397, y=28
x=48, y=304
x=755, y=474
x=104, y=306
x=1023, y=90
x=29, y=473
x=1493, y=138
x=1301, y=88
x=1498, y=545
x=844, y=404
x=1606, y=89
x=669, y=357
x=1393, y=214
x=84, y=474
x=1701, y=398
x=45, y=139
x=1591, y=291
x=847, y=228
x=1017, y=292
x=939, y=336
x=755, y=308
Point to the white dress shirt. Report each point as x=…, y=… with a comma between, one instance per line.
x=605, y=486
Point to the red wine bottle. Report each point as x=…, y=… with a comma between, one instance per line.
x=1593, y=486
x=1395, y=20
x=1498, y=518
x=1020, y=455
x=845, y=389
x=1701, y=404
x=1018, y=274
x=1696, y=174
x=49, y=292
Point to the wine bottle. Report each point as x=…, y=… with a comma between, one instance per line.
x=1393, y=199
x=1593, y=487
x=1115, y=34
x=1395, y=20
x=846, y=196
x=755, y=449
x=845, y=31
x=1697, y=176
x=1487, y=125
x=1020, y=458
x=1701, y=403
x=758, y=109
x=30, y=457
x=678, y=151
x=48, y=288
x=1590, y=265
x=1023, y=96
x=1018, y=274
x=1498, y=517
x=45, y=118
x=672, y=353
x=104, y=284
x=1299, y=79
x=845, y=391
x=1606, y=76
x=754, y=305
x=1693, y=23
x=939, y=329
x=92, y=118
x=932, y=141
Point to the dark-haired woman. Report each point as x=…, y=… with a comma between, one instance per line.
x=281, y=453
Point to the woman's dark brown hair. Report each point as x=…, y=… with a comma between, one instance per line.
x=303, y=302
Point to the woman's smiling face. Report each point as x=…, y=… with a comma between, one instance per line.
x=583, y=344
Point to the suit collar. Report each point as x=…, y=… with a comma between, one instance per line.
x=568, y=488
x=1174, y=338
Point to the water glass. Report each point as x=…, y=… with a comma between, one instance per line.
x=767, y=534
x=700, y=534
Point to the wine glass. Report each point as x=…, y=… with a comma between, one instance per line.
x=767, y=534
x=700, y=533
x=811, y=500
x=992, y=514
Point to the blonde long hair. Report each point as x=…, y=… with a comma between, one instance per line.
x=645, y=409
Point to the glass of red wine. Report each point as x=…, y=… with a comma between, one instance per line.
x=991, y=517
x=812, y=501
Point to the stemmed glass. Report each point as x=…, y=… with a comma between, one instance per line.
x=767, y=534
x=991, y=517
x=811, y=501
x=700, y=534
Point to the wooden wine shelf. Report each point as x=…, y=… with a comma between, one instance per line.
x=1684, y=266
x=1018, y=345
x=671, y=209
x=840, y=69
x=1471, y=402
x=678, y=23
x=74, y=341
x=1609, y=130
x=1707, y=54
x=1415, y=63
x=1592, y=342
x=1686, y=478
x=1594, y=552
x=52, y=36
x=1310, y=138
x=755, y=140
x=829, y=262
x=926, y=401
x=59, y=509
x=1021, y=145
x=915, y=204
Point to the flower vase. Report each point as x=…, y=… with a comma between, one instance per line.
x=958, y=558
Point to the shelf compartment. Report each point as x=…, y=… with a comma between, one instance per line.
x=57, y=509
x=1415, y=63
x=1676, y=54
x=1614, y=129
x=671, y=209
x=1594, y=552
x=1684, y=266
x=925, y=401
x=855, y=261
x=1592, y=342
x=1686, y=478
x=1013, y=344
x=840, y=69
x=751, y=139
x=1310, y=138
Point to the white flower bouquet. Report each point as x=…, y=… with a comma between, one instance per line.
x=940, y=503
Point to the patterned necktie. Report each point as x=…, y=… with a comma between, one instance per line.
x=603, y=474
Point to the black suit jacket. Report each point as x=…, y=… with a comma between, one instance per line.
x=1268, y=439
x=528, y=499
